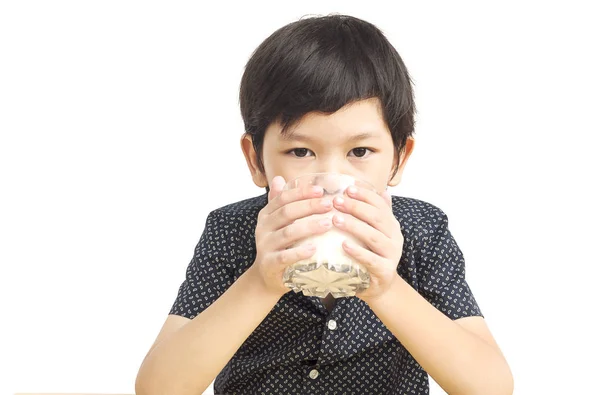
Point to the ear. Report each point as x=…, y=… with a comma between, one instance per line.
x=405, y=154
x=252, y=161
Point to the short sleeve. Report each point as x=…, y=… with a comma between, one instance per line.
x=442, y=278
x=207, y=275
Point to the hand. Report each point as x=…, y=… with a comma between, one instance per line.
x=279, y=227
x=368, y=216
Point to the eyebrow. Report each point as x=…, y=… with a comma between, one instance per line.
x=302, y=137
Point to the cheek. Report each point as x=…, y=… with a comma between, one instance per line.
x=379, y=176
x=274, y=166
x=270, y=160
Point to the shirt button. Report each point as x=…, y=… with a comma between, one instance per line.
x=313, y=374
x=332, y=325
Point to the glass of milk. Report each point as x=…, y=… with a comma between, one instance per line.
x=330, y=270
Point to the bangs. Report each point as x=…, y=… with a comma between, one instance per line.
x=325, y=79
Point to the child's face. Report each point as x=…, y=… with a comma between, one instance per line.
x=354, y=140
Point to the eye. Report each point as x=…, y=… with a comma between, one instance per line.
x=360, y=152
x=300, y=152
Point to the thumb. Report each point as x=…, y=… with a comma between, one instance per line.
x=276, y=187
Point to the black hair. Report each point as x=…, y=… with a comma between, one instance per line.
x=321, y=64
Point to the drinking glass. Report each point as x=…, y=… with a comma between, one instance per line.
x=330, y=270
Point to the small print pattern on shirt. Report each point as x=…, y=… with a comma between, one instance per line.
x=303, y=348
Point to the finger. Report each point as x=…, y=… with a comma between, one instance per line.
x=368, y=196
x=276, y=187
x=292, y=195
x=374, y=239
x=299, y=230
x=370, y=260
x=296, y=254
x=294, y=211
x=379, y=217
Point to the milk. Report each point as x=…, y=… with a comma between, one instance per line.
x=330, y=270
x=329, y=249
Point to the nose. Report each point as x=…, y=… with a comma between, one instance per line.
x=332, y=165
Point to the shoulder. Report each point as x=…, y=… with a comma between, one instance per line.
x=421, y=221
x=242, y=211
x=229, y=232
x=414, y=212
x=237, y=220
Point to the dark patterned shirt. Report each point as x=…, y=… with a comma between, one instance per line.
x=303, y=348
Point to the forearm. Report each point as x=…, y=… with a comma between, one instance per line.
x=189, y=360
x=458, y=360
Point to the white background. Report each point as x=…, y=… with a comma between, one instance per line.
x=120, y=131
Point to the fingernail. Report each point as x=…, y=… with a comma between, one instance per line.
x=352, y=190
x=339, y=200
x=317, y=189
x=338, y=219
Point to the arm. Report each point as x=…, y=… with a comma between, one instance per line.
x=439, y=323
x=460, y=355
x=189, y=354
x=187, y=360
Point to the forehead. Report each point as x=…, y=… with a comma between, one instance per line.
x=356, y=121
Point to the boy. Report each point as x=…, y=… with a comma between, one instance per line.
x=325, y=94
